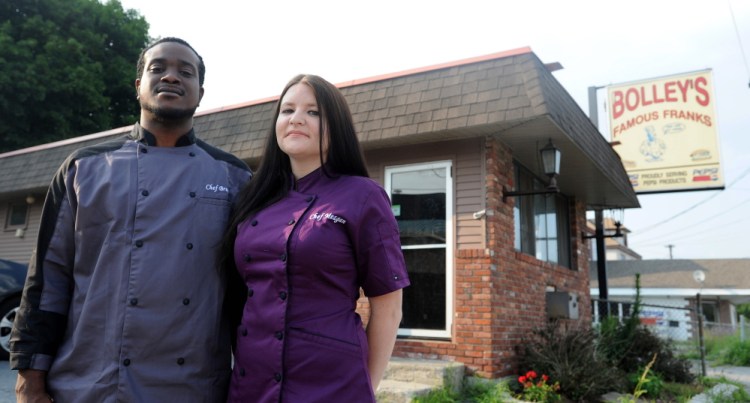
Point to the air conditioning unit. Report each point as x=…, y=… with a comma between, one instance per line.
x=562, y=305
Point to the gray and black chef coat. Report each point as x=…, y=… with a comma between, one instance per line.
x=123, y=301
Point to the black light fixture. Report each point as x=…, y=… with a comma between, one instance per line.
x=551, y=166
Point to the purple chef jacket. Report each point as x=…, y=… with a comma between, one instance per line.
x=304, y=259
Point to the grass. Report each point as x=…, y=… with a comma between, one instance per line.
x=474, y=390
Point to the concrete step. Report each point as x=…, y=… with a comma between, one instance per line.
x=428, y=372
x=391, y=391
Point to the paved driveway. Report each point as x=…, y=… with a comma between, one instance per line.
x=7, y=383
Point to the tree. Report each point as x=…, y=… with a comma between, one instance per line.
x=67, y=68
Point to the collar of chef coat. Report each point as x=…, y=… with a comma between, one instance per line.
x=146, y=137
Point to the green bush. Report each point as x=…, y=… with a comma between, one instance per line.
x=716, y=345
x=437, y=396
x=484, y=391
x=646, y=344
x=652, y=385
x=737, y=353
x=570, y=357
x=474, y=390
x=630, y=346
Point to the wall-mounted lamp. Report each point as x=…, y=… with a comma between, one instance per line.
x=30, y=199
x=20, y=232
x=551, y=165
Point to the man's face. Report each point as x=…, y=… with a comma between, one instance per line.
x=169, y=89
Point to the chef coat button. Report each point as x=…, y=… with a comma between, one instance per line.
x=282, y=295
x=283, y=257
x=250, y=292
x=186, y=301
x=189, y=246
x=134, y=301
x=192, y=194
x=395, y=277
x=254, y=223
x=126, y=362
x=246, y=258
x=180, y=361
x=138, y=243
x=192, y=154
x=277, y=377
x=244, y=332
x=144, y=192
x=291, y=221
x=279, y=335
x=144, y=150
x=242, y=371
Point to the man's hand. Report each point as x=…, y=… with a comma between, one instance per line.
x=31, y=386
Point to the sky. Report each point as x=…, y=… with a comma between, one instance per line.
x=252, y=48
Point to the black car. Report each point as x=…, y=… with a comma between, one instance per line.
x=12, y=278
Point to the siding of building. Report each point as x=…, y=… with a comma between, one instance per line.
x=12, y=247
x=467, y=180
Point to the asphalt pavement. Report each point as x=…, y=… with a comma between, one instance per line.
x=7, y=383
x=739, y=374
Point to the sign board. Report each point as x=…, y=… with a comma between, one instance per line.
x=664, y=130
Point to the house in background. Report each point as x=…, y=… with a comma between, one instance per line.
x=669, y=292
x=448, y=143
x=616, y=244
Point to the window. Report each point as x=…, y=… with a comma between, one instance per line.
x=422, y=201
x=541, y=223
x=17, y=216
x=709, y=311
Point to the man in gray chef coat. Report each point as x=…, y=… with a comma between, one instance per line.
x=124, y=297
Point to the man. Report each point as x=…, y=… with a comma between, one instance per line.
x=123, y=301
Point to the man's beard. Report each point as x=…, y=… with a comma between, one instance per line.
x=169, y=114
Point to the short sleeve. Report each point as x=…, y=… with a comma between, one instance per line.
x=380, y=263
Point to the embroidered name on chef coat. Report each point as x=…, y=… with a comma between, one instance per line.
x=328, y=217
x=217, y=188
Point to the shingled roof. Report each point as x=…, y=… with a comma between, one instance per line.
x=677, y=273
x=510, y=95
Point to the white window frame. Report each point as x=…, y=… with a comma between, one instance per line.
x=449, y=242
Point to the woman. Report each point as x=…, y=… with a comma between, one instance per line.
x=309, y=231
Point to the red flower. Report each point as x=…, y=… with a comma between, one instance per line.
x=521, y=379
x=545, y=378
x=531, y=374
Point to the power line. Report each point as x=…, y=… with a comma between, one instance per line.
x=739, y=39
x=693, y=206
x=703, y=233
x=695, y=224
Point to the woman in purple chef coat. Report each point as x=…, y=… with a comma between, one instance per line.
x=309, y=231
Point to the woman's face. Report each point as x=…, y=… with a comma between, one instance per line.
x=298, y=126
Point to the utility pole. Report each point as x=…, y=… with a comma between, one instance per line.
x=601, y=253
x=670, y=246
